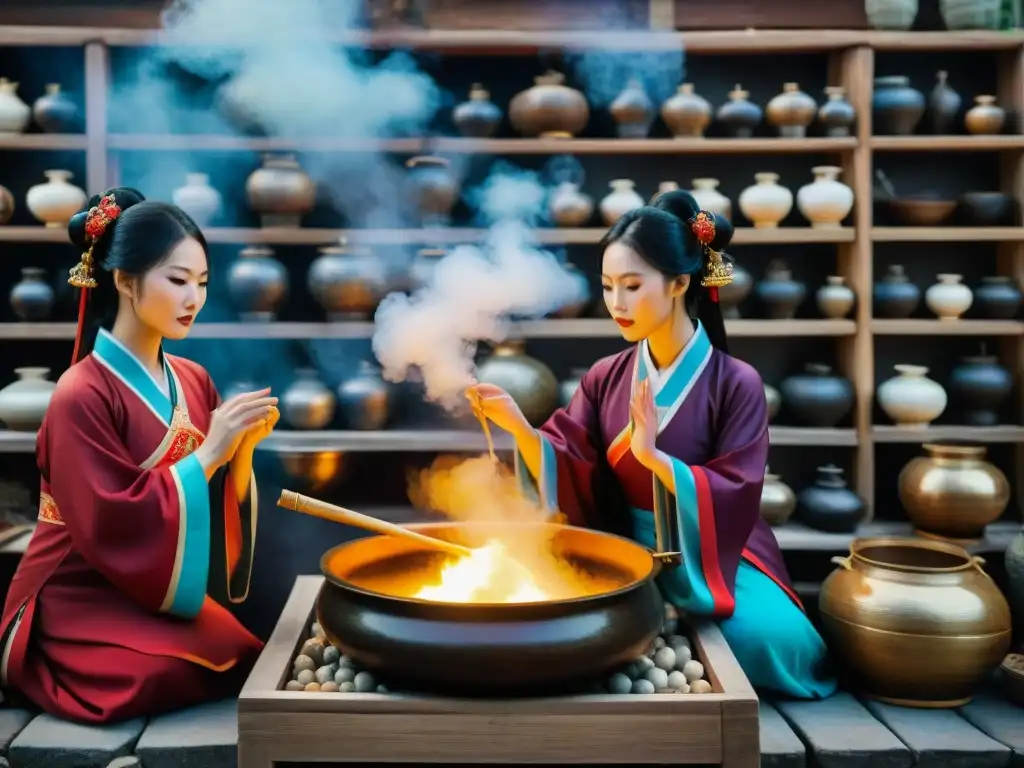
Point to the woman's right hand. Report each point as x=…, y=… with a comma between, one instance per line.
x=498, y=406
x=229, y=424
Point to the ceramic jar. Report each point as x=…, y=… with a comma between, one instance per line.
x=549, y=109
x=731, y=296
x=895, y=297
x=896, y=107
x=576, y=306
x=633, y=111
x=663, y=187
x=953, y=492
x=817, y=397
x=780, y=294
x=347, y=283
x=791, y=111
x=943, y=105
x=307, y=403
x=914, y=622
x=621, y=200
x=894, y=15
x=56, y=201
x=997, y=298
x=568, y=206
x=32, y=298
x=198, y=199
x=478, y=117
x=911, y=399
x=835, y=298
x=981, y=387
x=739, y=115
x=836, y=115
x=364, y=400
x=7, y=205
x=774, y=400
x=705, y=192
x=529, y=382
x=567, y=389
x=54, y=112
x=970, y=14
x=949, y=298
x=280, y=191
x=421, y=270
x=828, y=504
x=687, y=114
x=985, y=117
x=766, y=203
x=826, y=201
x=432, y=189
x=24, y=402
x=257, y=283
x=777, y=500
x=14, y=113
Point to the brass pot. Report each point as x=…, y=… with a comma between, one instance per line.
x=914, y=622
x=953, y=492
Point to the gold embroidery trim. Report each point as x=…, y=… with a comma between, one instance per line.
x=48, y=512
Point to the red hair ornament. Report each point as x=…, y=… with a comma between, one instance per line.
x=719, y=271
x=99, y=217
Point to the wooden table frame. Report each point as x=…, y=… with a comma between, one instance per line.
x=275, y=725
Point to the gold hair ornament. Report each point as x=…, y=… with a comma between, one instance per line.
x=719, y=271
x=99, y=217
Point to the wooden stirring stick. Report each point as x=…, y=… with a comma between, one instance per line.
x=316, y=508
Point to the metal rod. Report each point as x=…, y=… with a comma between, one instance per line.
x=316, y=508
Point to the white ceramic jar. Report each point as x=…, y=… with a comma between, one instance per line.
x=949, y=298
x=197, y=198
x=621, y=200
x=826, y=201
x=911, y=399
x=766, y=203
x=14, y=113
x=56, y=201
x=705, y=192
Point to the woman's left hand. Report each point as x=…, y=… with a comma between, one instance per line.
x=645, y=424
x=261, y=430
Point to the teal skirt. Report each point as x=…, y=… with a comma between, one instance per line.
x=773, y=640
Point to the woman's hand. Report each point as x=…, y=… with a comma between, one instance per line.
x=261, y=430
x=229, y=425
x=497, y=405
x=645, y=425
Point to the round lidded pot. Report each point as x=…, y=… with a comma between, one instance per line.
x=835, y=298
x=766, y=202
x=549, y=109
x=837, y=115
x=687, y=114
x=257, y=283
x=894, y=296
x=478, y=117
x=32, y=297
x=739, y=115
x=817, y=397
x=826, y=201
x=777, y=500
x=347, y=283
x=828, y=504
x=911, y=399
x=791, y=111
x=949, y=298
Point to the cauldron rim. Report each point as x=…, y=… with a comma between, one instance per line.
x=334, y=580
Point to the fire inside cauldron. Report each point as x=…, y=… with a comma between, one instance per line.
x=534, y=606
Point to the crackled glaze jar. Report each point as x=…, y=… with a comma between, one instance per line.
x=687, y=114
x=766, y=203
x=791, y=111
x=910, y=398
x=705, y=192
x=621, y=200
x=826, y=201
x=56, y=201
x=549, y=109
x=949, y=298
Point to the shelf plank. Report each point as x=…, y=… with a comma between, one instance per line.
x=945, y=143
x=34, y=235
x=800, y=538
x=946, y=234
x=1003, y=433
x=42, y=141
x=947, y=327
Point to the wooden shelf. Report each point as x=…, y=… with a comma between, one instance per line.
x=43, y=141
x=34, y=235
x=947, y=327
x=1004, y=433
x=945, y=143
x=798, y=537
x=946, y=234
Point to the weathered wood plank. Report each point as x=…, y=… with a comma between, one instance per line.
x=840, y=733
x=780, y=747
x=940, y=738
x=205, y=736
x=993, y=715
x=49, y=742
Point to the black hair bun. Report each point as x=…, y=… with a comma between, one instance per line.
x=125, y=197
x=683, y=206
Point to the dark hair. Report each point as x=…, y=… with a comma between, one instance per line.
x=662, y=234
x=140, y=238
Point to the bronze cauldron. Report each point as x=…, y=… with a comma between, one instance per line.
x=489, y=648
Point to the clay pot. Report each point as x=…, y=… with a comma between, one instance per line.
x=791, y=111
x=779, y=292
x=895, y=297
x=949, y=298
x=54, y=112
x=985, y=117
x=549, y=109
x=817, y=397
x=835, y=298
x=774, y=400
x=896, y=107
x=432, y=189
x=997, y=298
x=478, y=117
x=365, y=399
x=14, y=113
x=739, y=115
x=826, y=201
x=567, y=388
x=686, y=113
x=980, y=386
x=914, y=622
x=198, y=199
x=307, y=403
x=32, y=298
x=577, y=306
x=257, y=283
x=988, y=209
x=828, y=504
x=530, y=382
x=922, y=210
x=568, y=206
x=971, y=14
x=621, y=200
x=23, y=403
x=280, y=191
x=953, y=492
x=705, y=192
x=911, y=399
x=895, y=15
x=836, y=115
x=777, y=500
x=633, y=111
x=421, y=270
x=56, y=201
x=347, y=283
x=765, y=203
x=731, y=296
x=943, y=105
x=7, y=205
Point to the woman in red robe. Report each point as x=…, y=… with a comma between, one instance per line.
x=147, y=511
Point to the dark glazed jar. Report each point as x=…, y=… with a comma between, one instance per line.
x=980, y=386
x=477, y=117
x=780, y=294
x=817, y=397
x=997, y=298
x=896, y=106
x=739, y=115
x=32, y=298
x=894, y=296
x=828, y=504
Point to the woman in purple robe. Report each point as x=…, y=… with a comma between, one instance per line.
x=675, y=424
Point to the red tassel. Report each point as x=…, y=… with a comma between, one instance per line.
x=713, y=294
x=82, y=302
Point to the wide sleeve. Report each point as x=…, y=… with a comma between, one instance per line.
x=146, y=530
x=717, y=504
